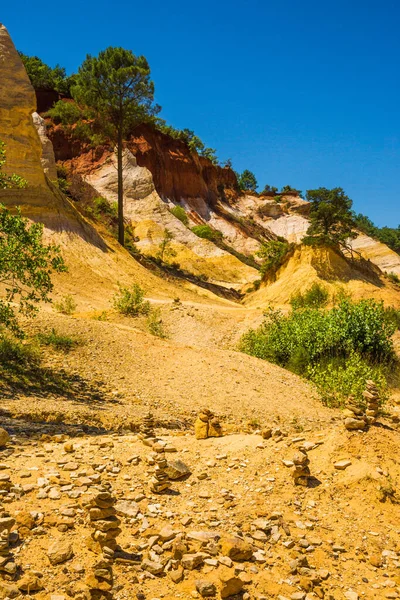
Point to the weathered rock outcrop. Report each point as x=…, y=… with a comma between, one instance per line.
x=17, y=103
x=48, y=161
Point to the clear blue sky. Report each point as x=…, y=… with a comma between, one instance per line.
x=302, y=92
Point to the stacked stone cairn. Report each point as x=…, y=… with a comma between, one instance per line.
x=100, y=581
x=147, y=434
x=372, y=398
x=207, y=425
x=103, y=519
x=8, y=568
x=301, y=470
x=358, y=418
x=160, y=480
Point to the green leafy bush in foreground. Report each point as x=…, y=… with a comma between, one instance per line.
x=316, y=296
x=337, y=349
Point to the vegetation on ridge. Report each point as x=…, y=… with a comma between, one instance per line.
x=337, y=349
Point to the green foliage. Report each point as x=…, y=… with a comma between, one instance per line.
x=393, y=316
x=101, y=206
x=165, y=251
x=44, y=77
x=316, y=296
x=188, y=136
x=393, y=278
x=387, y=235
x=247, y=181
x=269, y=189
x=66, y=306
x=130, y=301
x=331, y=217
x=116, y=86
x=8, y=181
x=65, y=343
x=288, y=189
x=116, y=89
x=312, y=342
x=338, y=379
x=26, y=265
x=14, y=351
x=273, y=254
x=65, y=113
x=155, y=323
x=180, y=213
x=208, y=233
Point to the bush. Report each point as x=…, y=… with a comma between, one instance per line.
x=315, y=343
x=208, y=233
x=393, y=316
x=66, y=305
x=155, y=323
x=61, y=342
x=101, y=206
x=337, y=380
x=16, y=352
x=393, y=278
x=66, y=113
x=180, y=213
x=316, y=296
x=272, y=254
x=130, y=301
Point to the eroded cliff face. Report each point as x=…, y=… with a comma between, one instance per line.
x=17, y=103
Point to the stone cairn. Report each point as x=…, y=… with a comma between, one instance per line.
x=103, y=519
x=372, y=398
x=160, y=480
x=301, y=470
x=358, y=418
x=147, y=434
x=105, y=523
x=8, y=568
x=207, y=425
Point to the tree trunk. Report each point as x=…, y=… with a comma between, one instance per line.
x=121, y=232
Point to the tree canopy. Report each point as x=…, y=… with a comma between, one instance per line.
x=44, y=77
x=247, y=181
x=116, y=87
x=331, y=217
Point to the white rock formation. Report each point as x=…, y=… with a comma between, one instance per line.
x=48, y=160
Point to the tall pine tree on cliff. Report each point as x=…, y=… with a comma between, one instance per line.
x=116, y=87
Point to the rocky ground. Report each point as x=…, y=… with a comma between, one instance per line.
x=235, y=523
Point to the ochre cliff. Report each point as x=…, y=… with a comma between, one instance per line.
x=17, y=103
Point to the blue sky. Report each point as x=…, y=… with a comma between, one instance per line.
x=302, y=92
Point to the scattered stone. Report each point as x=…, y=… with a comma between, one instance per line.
x=4, y=437
x=341, y=465
x=230, y=584
x=236, y=548
x=176, y=469
x=59, y=552
x=205, y=588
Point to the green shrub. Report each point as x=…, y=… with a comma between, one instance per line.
x=180, y=213
x=316, y=296
x=101, y=206
x=273, y=254
x=337, y=380
x=65, y=343
x=66, y=113
x=16, y=352
x=318, y=344
x=155, y=323
x=208, y=233
x=66, y=305
x=393, y=278
x=130, y=301
x=393, y=316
